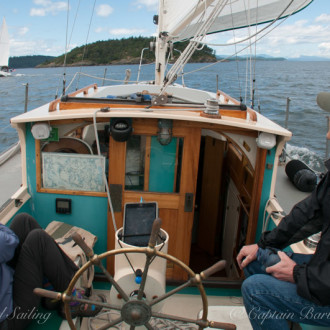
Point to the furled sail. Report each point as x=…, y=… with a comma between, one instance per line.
x=4, y=44
x=182, y=19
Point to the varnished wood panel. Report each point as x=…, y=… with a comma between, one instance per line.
x=117, y=154
x=188, y=182
x=164, y=200
x=256, y=195
x=210, y=197
x=176, y=221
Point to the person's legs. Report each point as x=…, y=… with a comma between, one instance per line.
x=22, y=225
x=270, y=303
x=39, y=256
x=255, y=267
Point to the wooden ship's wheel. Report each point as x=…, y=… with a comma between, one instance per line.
x=135, y=310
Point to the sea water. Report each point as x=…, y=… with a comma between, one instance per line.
x=274, y=82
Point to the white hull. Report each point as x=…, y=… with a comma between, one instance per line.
x=5, y=74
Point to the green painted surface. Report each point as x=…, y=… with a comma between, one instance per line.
x=88, y=212
x=268, y=174
x=44, y=319
x=162, y=166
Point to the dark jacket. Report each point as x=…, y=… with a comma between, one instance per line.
x=308, y=217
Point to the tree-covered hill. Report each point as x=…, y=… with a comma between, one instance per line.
x=32, y=61
x=122, y=51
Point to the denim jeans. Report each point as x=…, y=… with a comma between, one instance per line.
x=270, y=303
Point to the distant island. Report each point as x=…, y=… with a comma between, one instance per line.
x=30, y=61
x=110, y=52
x=128, y=51
x=245, y=57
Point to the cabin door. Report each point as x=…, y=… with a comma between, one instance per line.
x=144, y=168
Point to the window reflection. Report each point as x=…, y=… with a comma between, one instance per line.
x=151, y=166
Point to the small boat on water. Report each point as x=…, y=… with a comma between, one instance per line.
x=106, y=158
x=4, y=50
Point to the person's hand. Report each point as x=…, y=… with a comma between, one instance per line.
x=248, y=253
x=283, y=270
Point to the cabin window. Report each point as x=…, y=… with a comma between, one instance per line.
x=151, y=166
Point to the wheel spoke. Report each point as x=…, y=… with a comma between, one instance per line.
x=111, y=324
x=113, y=282
x=170, y=293
x=174, y=318
x=151, y=245
x=94, y=302
x=144, y=277
x=148, y=326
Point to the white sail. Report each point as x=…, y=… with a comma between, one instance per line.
x=182, y=19
x=4, y=44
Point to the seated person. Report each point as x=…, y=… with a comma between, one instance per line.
x=28, y=255
x=297, y=286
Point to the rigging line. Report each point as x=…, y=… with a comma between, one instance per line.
x=66, y=36
x=74, y=22
x=246, y=78
x=250, y=63
x=248, y=70
x=89, y=27
x=187, y=53
x=101, y=78
x=66, y=47
x=230, y=56
x=264, y=28
x=103, y=171
x=193, y=44
x=237, y=67
x=255, y=89
x=188, y=23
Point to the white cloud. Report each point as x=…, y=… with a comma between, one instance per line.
x=99, y=30
x=43, y=47
x=123, y=31
x=104, y=10
x=151, y=5
x=324, y=48
x=42, y=2
x=324, y=18
x=23, y=30
x=288, y=40
x=37, y=12
x=48, y=7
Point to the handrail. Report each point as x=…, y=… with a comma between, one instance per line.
x=252, y=113
x=84, y=90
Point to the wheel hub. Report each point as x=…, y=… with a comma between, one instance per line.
x=136, y=312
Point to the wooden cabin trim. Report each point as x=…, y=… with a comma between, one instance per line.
x=242, y=114
x=117, y=156
x=190, y=161
x=38, y=165
x=176, y=164
x=252, y=113
x=165, y=200
x=147, y=163
x=256, y=195
x=72, y=192
x=84, y=90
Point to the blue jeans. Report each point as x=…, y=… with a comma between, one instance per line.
x=270, y=303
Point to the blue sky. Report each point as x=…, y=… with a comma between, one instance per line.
x=39, y=26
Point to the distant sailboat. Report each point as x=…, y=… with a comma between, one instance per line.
x=4, y=50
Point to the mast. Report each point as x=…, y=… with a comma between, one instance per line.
x=161, y=47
